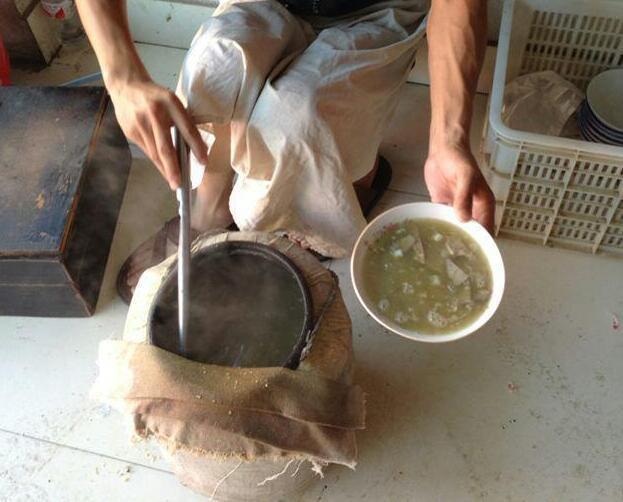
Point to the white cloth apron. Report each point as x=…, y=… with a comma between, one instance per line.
x=307, y=102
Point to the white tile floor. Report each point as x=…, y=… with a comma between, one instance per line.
x=442, y=421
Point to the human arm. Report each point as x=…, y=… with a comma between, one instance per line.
x=145, y=110
x=456, y=34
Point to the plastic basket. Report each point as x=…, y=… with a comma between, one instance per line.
x=551, y=190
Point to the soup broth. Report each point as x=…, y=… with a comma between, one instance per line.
x=427, y=276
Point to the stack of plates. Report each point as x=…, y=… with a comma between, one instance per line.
x=601, y=114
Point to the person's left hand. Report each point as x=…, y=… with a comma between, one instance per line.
x=453, y=177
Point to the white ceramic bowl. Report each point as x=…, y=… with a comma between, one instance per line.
x=605, y=98
x=421, y=210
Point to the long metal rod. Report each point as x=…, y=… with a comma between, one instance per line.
x=183, y=249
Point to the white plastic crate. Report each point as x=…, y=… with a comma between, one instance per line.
x=552, y=190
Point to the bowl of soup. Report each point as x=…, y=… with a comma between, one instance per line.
x=423, y=274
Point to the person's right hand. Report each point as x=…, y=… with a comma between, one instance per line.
x=146, y=112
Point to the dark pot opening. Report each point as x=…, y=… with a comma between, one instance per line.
x=250, y=307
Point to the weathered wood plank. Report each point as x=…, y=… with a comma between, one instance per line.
x=64, y=163
x=46, y=133
x=17, y=36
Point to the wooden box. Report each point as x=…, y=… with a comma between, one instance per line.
x=31, y=37
x=64, y=164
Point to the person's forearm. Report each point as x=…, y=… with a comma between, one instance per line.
x=106, y=24
x=456, y=43
x=145, y=110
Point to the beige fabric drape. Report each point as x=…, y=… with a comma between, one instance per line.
x=306, y=102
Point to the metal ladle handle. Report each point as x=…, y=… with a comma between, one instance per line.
x=183, y=249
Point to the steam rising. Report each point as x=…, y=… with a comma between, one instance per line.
x=246, y=310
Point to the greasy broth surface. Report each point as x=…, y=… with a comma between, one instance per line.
x=246, y=310
x=427, y=276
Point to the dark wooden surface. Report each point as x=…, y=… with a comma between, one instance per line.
x=64, y=164
x=46, y=135
x=17, y=35
x=97, y=209
x=56, y=300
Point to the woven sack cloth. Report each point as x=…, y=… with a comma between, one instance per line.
x=240, y=433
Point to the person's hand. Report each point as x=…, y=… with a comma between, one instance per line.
x=146, y=112
x=453, y=177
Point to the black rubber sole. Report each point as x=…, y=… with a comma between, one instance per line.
x=370, y=197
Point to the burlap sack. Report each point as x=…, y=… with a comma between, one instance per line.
x=240, y=433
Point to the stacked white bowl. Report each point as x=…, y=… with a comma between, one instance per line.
x=601, y=114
